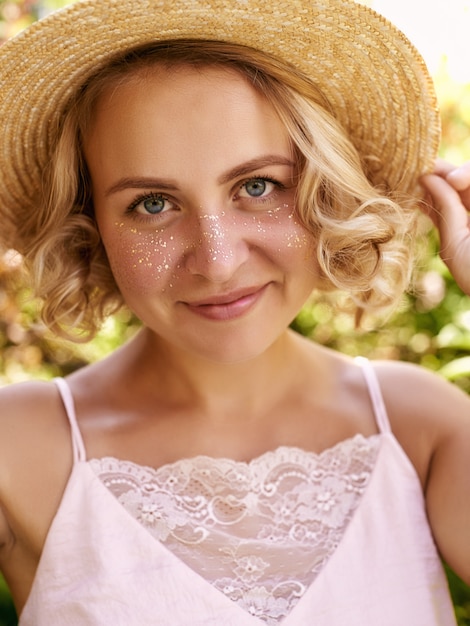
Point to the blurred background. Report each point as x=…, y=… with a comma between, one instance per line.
x=430, y=327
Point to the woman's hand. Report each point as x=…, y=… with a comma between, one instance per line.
x=448, y=206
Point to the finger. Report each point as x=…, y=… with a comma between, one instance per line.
x=443, y=168
x=459, y=177
x=449, y=215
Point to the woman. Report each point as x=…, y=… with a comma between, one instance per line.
x=210, y=165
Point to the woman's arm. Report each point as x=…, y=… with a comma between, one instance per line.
x=35, y=462
x=431, y=419
x=448, y=207
x=448, y=488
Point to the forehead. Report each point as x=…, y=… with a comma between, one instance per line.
x=182, y=119
x=173, y=78
x=185, y=93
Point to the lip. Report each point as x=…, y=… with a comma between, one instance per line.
x=227, y=306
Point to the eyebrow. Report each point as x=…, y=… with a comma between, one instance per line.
x=254, y=164
x=147, y=182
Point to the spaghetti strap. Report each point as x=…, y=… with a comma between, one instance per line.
x=79, y=452
x=375, y=393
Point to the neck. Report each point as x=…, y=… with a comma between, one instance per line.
x=212, y=387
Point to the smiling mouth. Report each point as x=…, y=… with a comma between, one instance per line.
x=229, y=306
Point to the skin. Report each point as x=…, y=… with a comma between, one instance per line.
x=216, y=278
x=448, y=190
x=213, y=251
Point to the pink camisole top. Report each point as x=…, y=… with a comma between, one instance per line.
x=291, y=538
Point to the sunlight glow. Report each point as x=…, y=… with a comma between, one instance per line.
x=438, y=28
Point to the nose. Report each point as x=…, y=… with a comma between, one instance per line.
x=218, y=247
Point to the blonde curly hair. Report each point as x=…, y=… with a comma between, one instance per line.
x=364, y=229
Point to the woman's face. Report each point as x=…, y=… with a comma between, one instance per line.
x=193, y=181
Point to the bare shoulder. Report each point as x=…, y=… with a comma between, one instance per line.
x=416, y=396
x=35, y=460
x=431, y=419
x=424, y=409
x=27, y=413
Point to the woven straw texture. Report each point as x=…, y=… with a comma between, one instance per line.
x=375, y=80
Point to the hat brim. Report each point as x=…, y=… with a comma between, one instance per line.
x=375, y=80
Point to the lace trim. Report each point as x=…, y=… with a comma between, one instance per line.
x=260, y=532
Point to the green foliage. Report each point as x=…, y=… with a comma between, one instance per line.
x=461, y=598
x=431, y=327
x=7, y=610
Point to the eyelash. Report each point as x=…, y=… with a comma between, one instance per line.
x=268, y=179
x=158, y=196
x=142, y=198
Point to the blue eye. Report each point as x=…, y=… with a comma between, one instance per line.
x=256, y=187
x=154, y=204
x=151, y=204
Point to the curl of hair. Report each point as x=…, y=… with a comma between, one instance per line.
x=66, y=259
x=363, y=234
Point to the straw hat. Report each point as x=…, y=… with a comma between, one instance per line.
x=375, y=80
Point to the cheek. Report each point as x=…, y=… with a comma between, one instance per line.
x=141, y=260
x=285, y=237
